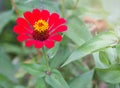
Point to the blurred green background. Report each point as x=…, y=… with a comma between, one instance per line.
x=88, y=21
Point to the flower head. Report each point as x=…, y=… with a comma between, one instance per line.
x=40, y=28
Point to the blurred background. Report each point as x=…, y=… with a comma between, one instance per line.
x=85, y=19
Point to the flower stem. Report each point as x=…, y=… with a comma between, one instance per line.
x=63, y=8
x=76, y=4
x=46, y=59
x=14, y=7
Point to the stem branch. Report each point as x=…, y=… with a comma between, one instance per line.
x=63, y=8
x=76, y=4
x=46, y=59
x=14, y=7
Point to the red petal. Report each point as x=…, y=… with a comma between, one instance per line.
x=21, y=38
x=36, y=14
x=29, y=43
x=20, y=30
x=53, y=19
x=28, y=15
x=59, y=29
x=58, y=23
x=38, y=44
x=22, y=22
x=49, y=44
x=45, y=15
x=56, y=37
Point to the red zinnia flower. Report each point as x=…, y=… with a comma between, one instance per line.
x=40, y=28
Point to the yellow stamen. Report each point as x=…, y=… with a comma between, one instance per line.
x=41, y=26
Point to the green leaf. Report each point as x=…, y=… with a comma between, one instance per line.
x=104, y=58
x=50, y=5
x=52, y=52
x=4, y=82
x=19, y=86
x=56, y=80
x=98, y=63
x=77, y=32
x=109, y=58
x=12, y=48
x=60, y=57
x=69, y=4
x=118, y=51
x=35, y=69
x=98, y=42
x=112, y=54
x=111, y=86
x=40, y=83
x=5, y=17
x=6, y=67
x=110, y=75
x=83, y=80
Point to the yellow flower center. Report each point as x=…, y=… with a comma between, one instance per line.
x=41, y=26
x=40, y=31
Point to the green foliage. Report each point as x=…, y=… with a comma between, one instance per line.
x=82, y=60
x=40, y=83
x=18, y=86
x=58, y=59
x=78, y=32
x=118, y=52
x=56, y=80
x=4, y=82
x=8, y=70
x=82, y=81
x=104, y=58
x=95, y=44
x=35, y=69
x=109, y=75
x=30, y=4
x=5, y=17
x=52, y=52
